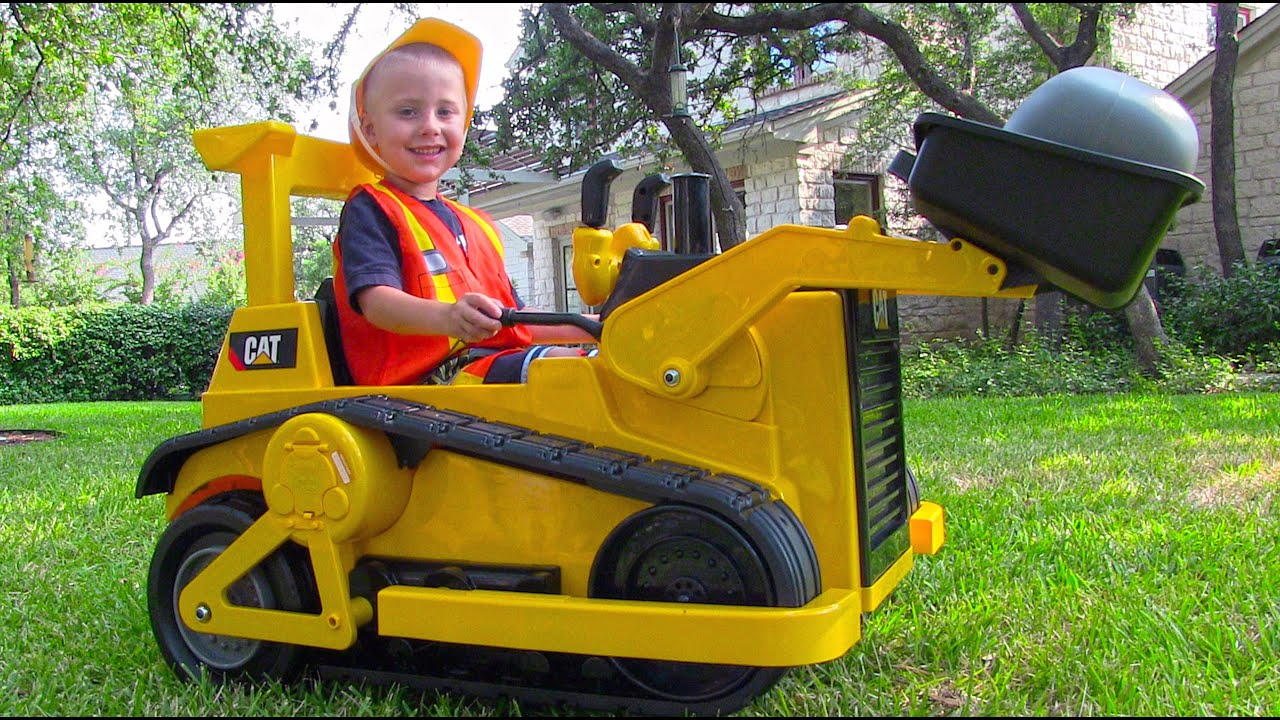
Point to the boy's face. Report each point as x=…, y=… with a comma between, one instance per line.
x=415, y=110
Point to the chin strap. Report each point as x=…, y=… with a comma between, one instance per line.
x=356, y=129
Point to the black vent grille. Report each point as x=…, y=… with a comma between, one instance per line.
x=880, y=467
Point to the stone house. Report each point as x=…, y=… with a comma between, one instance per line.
x=798, y=161
x=1257, y=141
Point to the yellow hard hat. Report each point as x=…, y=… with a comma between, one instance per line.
x=459, y=43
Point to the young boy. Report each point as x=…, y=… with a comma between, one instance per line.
x=420, y=279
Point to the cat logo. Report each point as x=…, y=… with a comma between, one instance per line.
x=880, y=309
x=263, y=350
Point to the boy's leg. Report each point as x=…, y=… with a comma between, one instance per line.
x=511, y=366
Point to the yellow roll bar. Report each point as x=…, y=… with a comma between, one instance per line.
x=275, y=163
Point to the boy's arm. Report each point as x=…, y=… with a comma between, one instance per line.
x=473, y=318
x=559, y=334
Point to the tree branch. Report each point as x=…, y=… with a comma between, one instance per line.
x=860, y=19
x=1070, y=56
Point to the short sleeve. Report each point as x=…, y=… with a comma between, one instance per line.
x=370, y=247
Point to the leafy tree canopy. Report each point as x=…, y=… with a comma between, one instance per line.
x=51, y=54
x=577, y=98
x=118, y=88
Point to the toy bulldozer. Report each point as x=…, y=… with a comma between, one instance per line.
x=718, y=495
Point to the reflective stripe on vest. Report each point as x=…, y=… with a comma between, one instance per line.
x=488, y=230
x=444, y=292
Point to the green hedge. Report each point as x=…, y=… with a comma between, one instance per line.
x=108, y=352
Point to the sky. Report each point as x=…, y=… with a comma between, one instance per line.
x=496, y=24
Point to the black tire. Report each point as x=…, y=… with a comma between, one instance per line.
x=283, y=581
x=674, y=553
x=913, y=491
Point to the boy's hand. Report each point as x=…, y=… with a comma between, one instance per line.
x=475, y=317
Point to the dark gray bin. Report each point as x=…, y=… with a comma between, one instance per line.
x=1085, y=222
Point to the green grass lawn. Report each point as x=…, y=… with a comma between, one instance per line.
x=1106, y=555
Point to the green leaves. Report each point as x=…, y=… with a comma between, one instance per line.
x=618, y=80
x=109, y=352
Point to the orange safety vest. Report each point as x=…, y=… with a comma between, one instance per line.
x=379, y=357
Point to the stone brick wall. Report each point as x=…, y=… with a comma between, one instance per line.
x=924, y=317
x=772, y=192
x=546, y=269
x=518, y=251
x=1162, y=41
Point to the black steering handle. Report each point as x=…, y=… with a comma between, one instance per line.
x=511, y=317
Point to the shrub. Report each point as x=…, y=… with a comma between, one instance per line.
x=990, y=367
x=67, y=278
x=225, y=285
x=109, y=352
x=1083, y=363
x=1235, y=317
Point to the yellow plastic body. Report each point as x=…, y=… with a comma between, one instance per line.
x=597, y=257
x=275, y=163
x=731, y=367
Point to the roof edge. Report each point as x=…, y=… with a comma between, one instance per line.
x=1258, y=36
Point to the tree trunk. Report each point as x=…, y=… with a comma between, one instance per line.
x=1148, y=334
x=29, y=257
x=1014, y=334
x=147, y=266
x=1222, y=144
x=15, y=289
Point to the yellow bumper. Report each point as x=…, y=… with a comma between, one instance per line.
x=822, y=630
